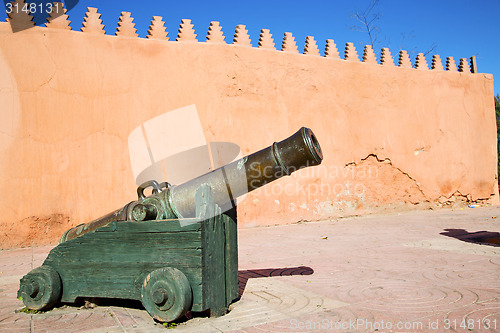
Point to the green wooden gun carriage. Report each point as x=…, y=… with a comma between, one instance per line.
x=175, y=250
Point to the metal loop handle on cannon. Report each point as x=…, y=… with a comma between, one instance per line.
x=157, y=188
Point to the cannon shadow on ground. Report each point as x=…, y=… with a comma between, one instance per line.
x=478, y=237
x=243, y=276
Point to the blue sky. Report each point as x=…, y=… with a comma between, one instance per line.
x=459, y=28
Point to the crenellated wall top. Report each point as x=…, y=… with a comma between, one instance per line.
x=92, y=23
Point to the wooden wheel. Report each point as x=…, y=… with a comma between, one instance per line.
x=41, y=288
x=166, y=294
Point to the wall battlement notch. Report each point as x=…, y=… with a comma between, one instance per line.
x=92, y=23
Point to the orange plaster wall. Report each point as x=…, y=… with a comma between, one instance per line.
x=391, y=137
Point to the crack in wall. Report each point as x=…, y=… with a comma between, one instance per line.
x=389, y=162
x=455, y=197
x=54, y=66
x=458, y=196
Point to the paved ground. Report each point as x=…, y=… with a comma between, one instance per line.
x=414, y=272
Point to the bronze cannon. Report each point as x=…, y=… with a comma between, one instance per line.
x=174, y=250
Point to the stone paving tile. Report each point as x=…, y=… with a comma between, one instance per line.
x=457, y=246
x=479, y=317
x=462, y=276
x=72, y=321
x=392, y=268
x=18, y=324
x=343, y=319
x=495, y=261
x=357, y=319
x=20, y=267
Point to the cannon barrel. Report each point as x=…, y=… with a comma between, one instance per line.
x=282, y=158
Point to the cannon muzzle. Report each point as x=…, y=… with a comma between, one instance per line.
x=282, y=158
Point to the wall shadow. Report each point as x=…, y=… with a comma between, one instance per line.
x=243, y=276
x=490, y=238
